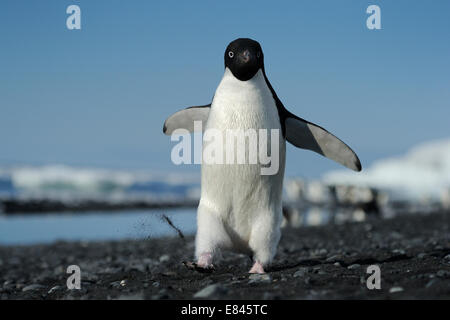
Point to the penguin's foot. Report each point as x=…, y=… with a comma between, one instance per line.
x=257, y=268
x=205, y=261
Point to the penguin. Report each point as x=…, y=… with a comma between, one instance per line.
x=240, y=209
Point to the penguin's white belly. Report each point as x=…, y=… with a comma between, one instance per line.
x=238, y=193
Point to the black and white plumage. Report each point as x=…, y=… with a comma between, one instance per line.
x=240, y=209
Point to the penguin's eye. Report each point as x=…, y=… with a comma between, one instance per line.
x=231, y=54
x=258, y=54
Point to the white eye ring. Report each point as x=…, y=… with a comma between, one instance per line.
x=231, y=54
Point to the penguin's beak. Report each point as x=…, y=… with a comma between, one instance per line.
x=245, y=56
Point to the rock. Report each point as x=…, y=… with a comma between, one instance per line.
x=334, y=258
x=148, y=261
x=354, y=266
x=59, y=270
x=32, y=287
x=209, y=291
x=421, y=255
x=109, y=270
x=431, y=283
x=395, y=289
x=300, y=272
x=136, y=296
x=115, y=284
x=164, y=258
x=123, y=283
x=7, y=283
x=268, y=296
x=89, y=277
x=136, y=267
x=53, y=289
x=161, y=295
x=442, y=273
x=256, y=277
x=316, y=269
x=20, y=286
x=396, y=235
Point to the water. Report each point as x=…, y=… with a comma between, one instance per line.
x=32, y=229
x=92, y=226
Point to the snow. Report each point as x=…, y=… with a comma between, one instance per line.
x=67, y=180
x=424, y=172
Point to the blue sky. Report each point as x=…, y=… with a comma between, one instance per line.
x=99, y=96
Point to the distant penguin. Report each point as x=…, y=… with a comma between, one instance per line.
x=240, y=209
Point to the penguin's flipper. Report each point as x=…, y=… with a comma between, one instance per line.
x=307, y=135
x=184, y=119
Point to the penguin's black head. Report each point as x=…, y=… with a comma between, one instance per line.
x=244, y=57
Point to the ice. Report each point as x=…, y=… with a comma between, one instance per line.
x=423, y=173
x=66, y=181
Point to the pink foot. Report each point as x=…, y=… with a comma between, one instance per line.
x=257, y=268
x=205, y=261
